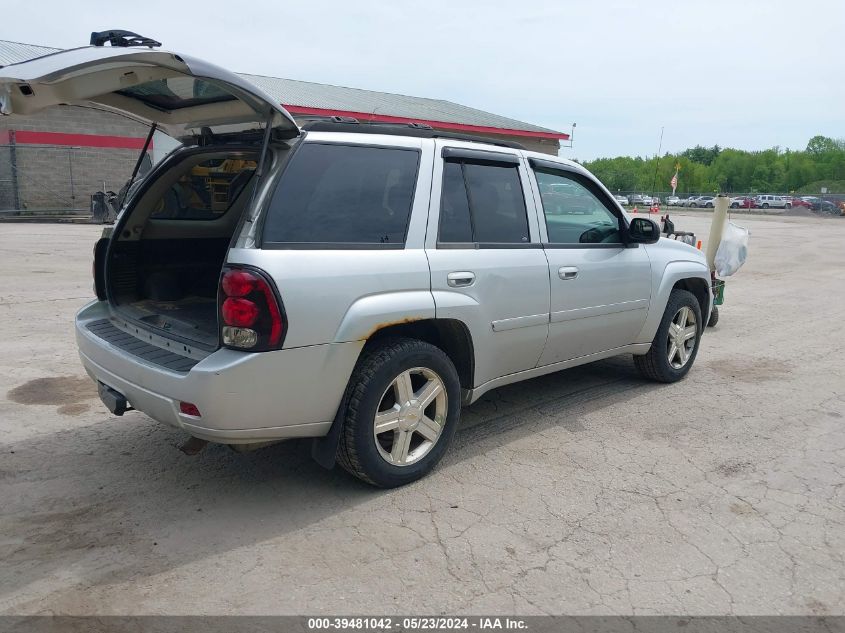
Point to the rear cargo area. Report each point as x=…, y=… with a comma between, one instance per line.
x=164, y=266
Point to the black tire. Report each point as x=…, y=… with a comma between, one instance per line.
x=376, y=370
x=693, y=205
x=735, y=205
x=788, y=206
x=765, y=205
x=655, y=365
x=714, y=317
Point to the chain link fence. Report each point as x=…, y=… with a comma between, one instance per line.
x=46, y=178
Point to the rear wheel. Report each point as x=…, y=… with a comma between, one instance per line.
x=675, y=345
x=401, y=411
x=788, y=206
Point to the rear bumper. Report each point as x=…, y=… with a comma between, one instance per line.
x=242, y=397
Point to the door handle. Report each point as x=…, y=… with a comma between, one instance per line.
x=460, y=279
x=567, y=272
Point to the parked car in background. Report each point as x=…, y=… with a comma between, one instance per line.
x=673, y=201
x=623, y=200
x=800, y=202
x=766, y=201
x=647, y=200
x=743, y=202
x=637, y=199
x=703, y=202
x=814, y=201
x=832, y=207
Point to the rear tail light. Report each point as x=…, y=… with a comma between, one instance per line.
x=251, y=314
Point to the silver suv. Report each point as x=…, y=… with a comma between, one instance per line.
x=775, y=202
x=350, y=283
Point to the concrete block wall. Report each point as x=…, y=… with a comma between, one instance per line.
x=7, y=195
x=65, y=176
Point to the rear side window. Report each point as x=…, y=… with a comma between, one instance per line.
x=482, y=203
x=338, y=195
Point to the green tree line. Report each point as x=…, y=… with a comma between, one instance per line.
x=726, y=170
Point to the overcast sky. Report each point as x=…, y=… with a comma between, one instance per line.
x=749, y=74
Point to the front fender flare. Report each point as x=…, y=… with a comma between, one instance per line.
x=674, y=272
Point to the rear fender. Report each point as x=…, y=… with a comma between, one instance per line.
x=365, y=317
x=369, y=314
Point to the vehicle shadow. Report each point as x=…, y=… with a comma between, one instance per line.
x=116, y=501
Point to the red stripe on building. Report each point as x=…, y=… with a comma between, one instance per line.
x=384, y=118
x=24, y=137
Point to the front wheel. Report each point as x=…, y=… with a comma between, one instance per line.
x=675, y=345
x=765, y=205
x=401, y=411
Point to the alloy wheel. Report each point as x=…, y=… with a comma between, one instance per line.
x=683, y=333
x=410, y=416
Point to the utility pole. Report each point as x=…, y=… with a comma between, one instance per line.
x=657, y=162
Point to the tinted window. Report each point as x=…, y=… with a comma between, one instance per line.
x=482, y=203
x=206, y=191
x=574, y=214
x=343, y=194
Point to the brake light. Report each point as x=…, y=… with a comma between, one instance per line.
x=251, y=314
x=239, y=312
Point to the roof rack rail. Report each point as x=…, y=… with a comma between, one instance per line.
x=418, y=130
x=123, y=39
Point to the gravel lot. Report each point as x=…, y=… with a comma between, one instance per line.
x=587, y=491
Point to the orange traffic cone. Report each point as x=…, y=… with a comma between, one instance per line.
x=634, y=210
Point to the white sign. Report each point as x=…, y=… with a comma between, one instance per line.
x=824, y=189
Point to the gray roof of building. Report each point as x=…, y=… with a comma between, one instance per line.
x=306, y=94
x=16, y=52
x=313, y=95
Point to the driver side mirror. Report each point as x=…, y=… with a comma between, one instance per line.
x=643, y=231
